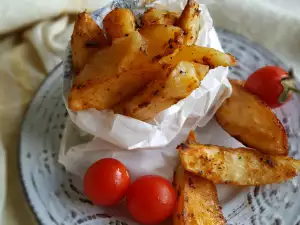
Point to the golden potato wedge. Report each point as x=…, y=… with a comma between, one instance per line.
x=87, y=39
x=112, y=74
x=197, y=200
x=162, y=93
x=191, y=139
x=189, y=21
x=201, y=70
x=115, y=59
x=237, y=166
x=202, y=55
x=249, y=120
x=161, y=39
x=158, y=16
x=118, y=23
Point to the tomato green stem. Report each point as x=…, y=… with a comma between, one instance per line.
x=288, y=86
x=293, y=89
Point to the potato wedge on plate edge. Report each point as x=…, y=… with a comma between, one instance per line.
x=237, y=166
x=197, y=200
x=249, y=120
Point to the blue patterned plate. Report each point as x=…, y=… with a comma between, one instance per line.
x=56, y=198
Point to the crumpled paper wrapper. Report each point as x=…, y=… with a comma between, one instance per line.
x=144, y=147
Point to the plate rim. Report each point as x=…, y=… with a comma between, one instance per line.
x=260, y=48
x=49, y=77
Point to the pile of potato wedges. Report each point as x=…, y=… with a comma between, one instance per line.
x=139, y=71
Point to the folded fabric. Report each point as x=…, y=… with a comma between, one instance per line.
x=15, y=14
x=23, y=67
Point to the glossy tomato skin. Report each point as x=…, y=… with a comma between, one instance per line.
x=151, y=199
x=106, y=182
x=266, y=84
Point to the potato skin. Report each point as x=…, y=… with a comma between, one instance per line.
x=87, y=39
x=161, y=93
x=189, y=21
x=197, y=54
x=236, y=166
x=201, y=70
x=161, y=39
x=113, y=74
x=118, y=23
x=248, y=119
x=158, y=16
x=197, y=200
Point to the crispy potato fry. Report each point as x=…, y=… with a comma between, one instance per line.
x=87, y=39
x=160, y=94
x=158, y=16
x=245, y=117
x=118, y=23
x=112, y=74
x=238, y=166
x=105, y=94
x=203, y=55
x=191, y=139
x=161, y=39
x=201, y=70
x=197, y=200
x=189, y=21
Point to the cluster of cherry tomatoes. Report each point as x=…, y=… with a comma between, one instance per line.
x=149, y=199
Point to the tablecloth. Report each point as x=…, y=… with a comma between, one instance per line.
x=33, y=36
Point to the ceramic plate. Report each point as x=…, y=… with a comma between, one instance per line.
x=56, y=198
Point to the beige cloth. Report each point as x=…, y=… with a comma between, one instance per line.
x=23, y=68
x=26, y=59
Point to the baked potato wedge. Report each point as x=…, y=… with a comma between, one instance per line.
x=201, y=70
x=202, y=55
x=237, y=166
x=87, y=39
x=113, y=74
x=189, y=21
x=161, y=39
x=249, y=120
x=197, y=200
x=191, y=139
x=161, y=93
x=118, y=23
x=158, y=16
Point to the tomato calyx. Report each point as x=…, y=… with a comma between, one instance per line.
x=288, y=85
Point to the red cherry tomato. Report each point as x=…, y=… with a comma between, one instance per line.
x=151, y=199
x=106, y=182
x=268, y=84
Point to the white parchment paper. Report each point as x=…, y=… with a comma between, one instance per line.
x=145, y=147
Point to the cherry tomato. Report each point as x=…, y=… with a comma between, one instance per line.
x=151, y=199
x=106, y=182
x=272, y=84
